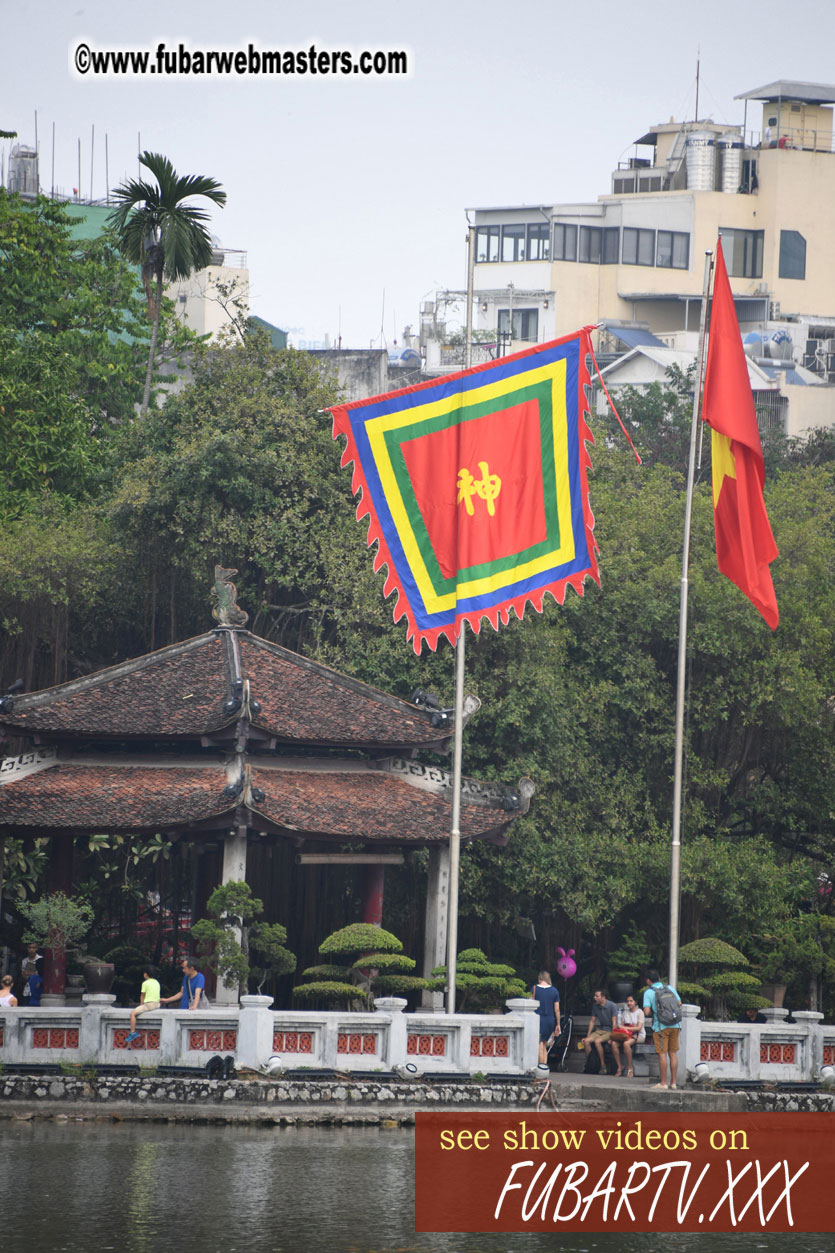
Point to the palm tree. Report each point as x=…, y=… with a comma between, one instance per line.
x=166, y=237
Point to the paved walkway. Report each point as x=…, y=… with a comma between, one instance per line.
x=604, y=1092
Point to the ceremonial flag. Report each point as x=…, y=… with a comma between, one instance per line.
x=475, y=487
x=744, y=543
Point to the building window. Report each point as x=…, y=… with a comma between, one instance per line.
x=487, y=243
x=673, y=250
x=650, y=184
x=743, y=252
x=590, y=243
x=638, y=246
x=565, y=242
x=792, y=255
x=539, y=241
x=513, y=243
x=525, y=323
x=611, y=245
x=623, y=186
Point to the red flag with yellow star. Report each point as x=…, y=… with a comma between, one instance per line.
x=745, y=546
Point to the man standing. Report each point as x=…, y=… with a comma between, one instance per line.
x=666, y=1033
x=604, y=1018
x=29, y=967
x=193, y=985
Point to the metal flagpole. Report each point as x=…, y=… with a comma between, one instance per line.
x=455, y=825
x=675, y=850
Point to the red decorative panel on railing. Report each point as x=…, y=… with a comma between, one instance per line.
x=426, y=1045
x=55, y=1037
x=781, y=1054
x=148, y=1039
x=717, y=1051
x=828, y=1053
x=1, y=1037
x=292, y=1041
x=489, y=1046
x=213, y=1041
x=346, y=1043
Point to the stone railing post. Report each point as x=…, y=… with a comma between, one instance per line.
x=691, y=1039
x=255, y=1031
x=14, y=1037
x=92, y=1046
x=810, y=1019
x=527, y=1008
x=393, y=1006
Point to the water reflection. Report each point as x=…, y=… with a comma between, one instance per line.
x=91, y=1187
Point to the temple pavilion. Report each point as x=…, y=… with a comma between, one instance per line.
x=235, y=743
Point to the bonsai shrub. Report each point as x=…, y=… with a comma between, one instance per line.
x=479, y=983
x=232, y=928
x=630, y=957
x=722, y=978
x=56, y=921
x=366, y=962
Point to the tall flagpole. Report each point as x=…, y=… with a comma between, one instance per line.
x=455, y=825
x=675, y=849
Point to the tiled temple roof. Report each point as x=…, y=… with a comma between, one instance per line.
x=222, y=684
x=300, y=799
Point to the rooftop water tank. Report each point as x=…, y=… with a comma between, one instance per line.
x=701, y=161
x=730, y=152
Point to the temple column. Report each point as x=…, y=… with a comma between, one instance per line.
x=437, y=917
x=374, y=883
x=59, y=879
x=234, y=871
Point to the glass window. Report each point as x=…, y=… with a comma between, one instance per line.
x=590, y=243
x=513, y=243
x=611, y=245
x=638, y=246
x=792, y=254
x=673, y=250
x=565, y=242
x=525, y=323
x=487, y=243
x=539, y=241
x=743, y=252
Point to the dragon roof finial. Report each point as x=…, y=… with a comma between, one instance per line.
x=225, y=595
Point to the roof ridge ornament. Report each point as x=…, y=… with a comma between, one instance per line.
x=225, y=596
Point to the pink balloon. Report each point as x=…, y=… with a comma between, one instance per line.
x=566, y=965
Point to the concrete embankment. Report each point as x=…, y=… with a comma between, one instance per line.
x=344, y=1101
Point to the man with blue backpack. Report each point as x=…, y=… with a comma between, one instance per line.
x=663, y=1004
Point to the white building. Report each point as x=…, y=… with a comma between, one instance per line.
x=634, y=258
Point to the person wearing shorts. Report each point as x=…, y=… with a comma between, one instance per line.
x=149, y=998
x=665, y=1038
x=604, y=1018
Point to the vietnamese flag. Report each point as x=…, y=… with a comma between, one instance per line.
x=744, y=543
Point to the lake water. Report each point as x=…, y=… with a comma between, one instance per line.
x=85, y=1187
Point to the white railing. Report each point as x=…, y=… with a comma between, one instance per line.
x=383, y=1040
x=774, y=1051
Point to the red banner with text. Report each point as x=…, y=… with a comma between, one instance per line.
x=655, y=1172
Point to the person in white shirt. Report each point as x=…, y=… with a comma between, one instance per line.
x=631, y=1019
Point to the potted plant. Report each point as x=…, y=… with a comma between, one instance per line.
x=233, y=930
x=626, y=962
x=367, y=962
x=720, y=970
x=479, y=983
x=59, y=923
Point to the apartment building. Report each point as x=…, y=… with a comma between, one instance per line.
x=633, y=260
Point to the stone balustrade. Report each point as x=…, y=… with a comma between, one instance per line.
x=774, y=1051
x=384, y=1040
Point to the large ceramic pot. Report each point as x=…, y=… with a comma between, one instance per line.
x=619, y=989
x=99, y=976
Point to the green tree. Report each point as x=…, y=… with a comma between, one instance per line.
x=163, y=234
x=232, y=929
x=365, y=961
x=71, y=339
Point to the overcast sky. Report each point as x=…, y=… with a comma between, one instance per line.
x=349, y=193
